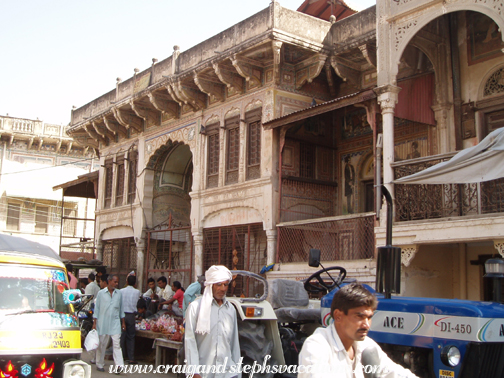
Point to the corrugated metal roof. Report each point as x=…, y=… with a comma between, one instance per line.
x=323, y=107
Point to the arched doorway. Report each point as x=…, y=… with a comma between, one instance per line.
x=169, y=240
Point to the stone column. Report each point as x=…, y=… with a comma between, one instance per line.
x=140, y=245
x=277, y=60
x=271, y=240
x=198, y=253
x=443, y=136
x=387, y=98
x=99, y=250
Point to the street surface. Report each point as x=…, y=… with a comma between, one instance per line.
x=97, y=374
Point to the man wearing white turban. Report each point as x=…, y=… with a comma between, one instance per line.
x=211, y=334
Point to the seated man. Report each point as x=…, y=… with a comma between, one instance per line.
x=337, y=350
x=166, y=292
x=153, y=292
x=178, y=298
x=151, y=296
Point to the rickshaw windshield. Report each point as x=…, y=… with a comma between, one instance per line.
x=32, y=289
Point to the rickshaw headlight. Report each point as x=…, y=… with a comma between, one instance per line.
x=76, y=369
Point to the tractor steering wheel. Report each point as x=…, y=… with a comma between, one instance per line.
x=311, y=288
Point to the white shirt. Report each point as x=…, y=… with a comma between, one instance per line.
x=148, y=293
x=130, y=297
x=324, y=350
x=166, y=293
x=215, y=347
x=92, y=289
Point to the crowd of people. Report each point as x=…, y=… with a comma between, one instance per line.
x=211, y=328
x=116, y=311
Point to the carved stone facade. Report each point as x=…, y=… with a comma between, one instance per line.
x=448, y=225
x=424, y=75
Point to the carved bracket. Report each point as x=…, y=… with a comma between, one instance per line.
x=128, y=119
x=115, y=127
x=102, y=131
x=408, y=252
x=499, y=246
x=92, y=133
x=30, y=143
x=146, y=114
x=309, y=69
x=173, y=95
x=369, y=53
x=330, y=80
x=85, y=141
x=245, y=71
x=10, y=139
x=343, y=70
x=227, y=78
x=210, y=88
x=277, y=60
x=163, y=105
x=190, y=96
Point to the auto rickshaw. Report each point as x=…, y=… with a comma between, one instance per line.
x=39, y=333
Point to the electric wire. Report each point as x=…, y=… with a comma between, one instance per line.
x=48, y=167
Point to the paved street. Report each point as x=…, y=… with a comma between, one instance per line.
x=97, y=374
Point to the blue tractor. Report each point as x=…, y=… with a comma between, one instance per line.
x=441, y=338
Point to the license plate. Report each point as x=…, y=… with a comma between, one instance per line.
x=446, y=374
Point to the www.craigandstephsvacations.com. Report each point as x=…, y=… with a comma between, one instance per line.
x=255, y=368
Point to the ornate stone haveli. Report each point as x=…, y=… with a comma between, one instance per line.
x=403, y=19
x=187, y=135
x=247, y=200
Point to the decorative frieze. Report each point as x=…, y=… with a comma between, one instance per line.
x=185, y=135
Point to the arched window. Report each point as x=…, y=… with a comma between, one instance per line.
x=495, y=83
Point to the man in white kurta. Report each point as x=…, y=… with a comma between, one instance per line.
x=109, y=322
x=336, y=351
x=211, y=334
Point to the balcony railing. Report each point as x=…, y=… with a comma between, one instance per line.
x=422, y=201
x=307, y=199
x=348, y=237
x=22, y=126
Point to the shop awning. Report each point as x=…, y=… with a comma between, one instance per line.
x=315, y=110
x=86, y=186
x=483, y=162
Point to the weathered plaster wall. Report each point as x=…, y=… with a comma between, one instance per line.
x=431, y=273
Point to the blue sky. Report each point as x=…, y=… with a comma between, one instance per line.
x=60, y=53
